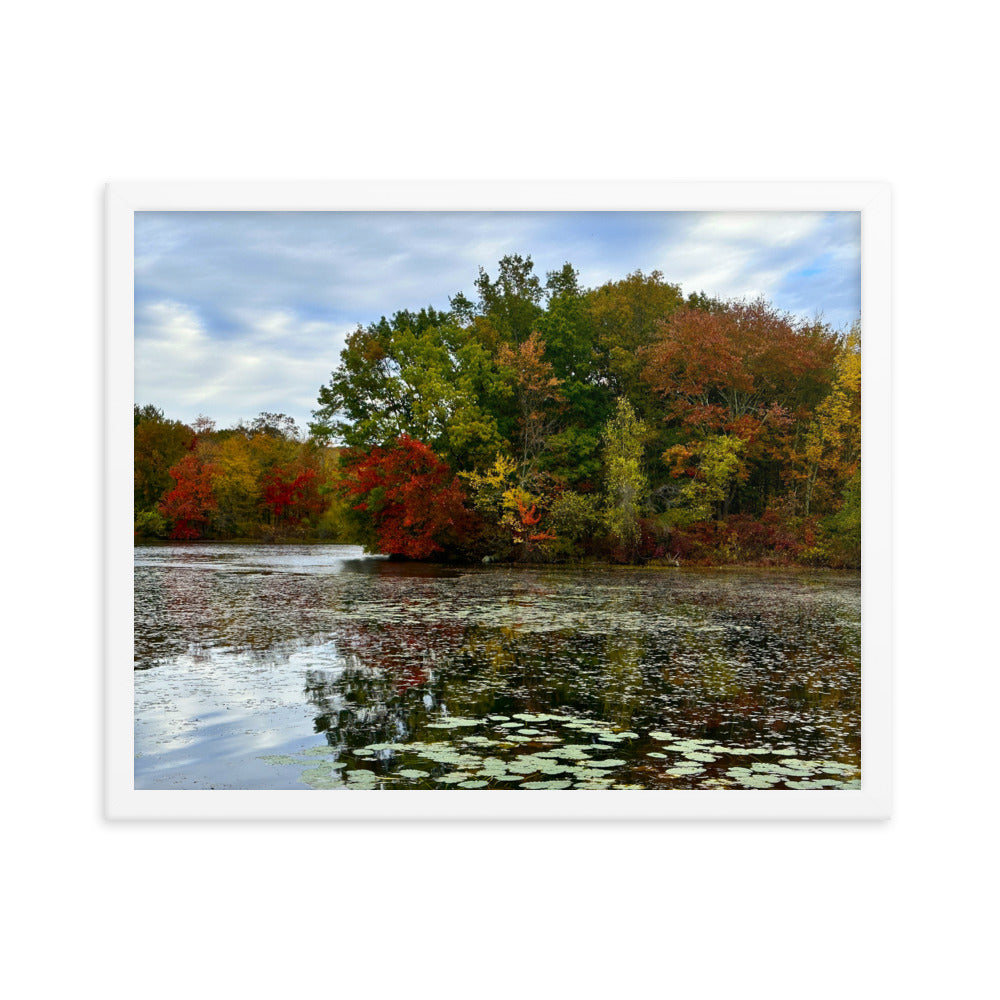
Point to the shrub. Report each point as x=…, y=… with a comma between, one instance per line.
x=150, y=524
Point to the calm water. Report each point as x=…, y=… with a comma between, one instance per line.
x=316, y=667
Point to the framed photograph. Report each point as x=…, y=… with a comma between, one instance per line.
x=506, y=500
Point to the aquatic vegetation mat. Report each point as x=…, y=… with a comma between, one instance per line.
x=265, y=668
x=573, y=765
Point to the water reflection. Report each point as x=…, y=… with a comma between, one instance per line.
x=334, y=670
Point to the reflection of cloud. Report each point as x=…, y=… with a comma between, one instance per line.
x=238, y=312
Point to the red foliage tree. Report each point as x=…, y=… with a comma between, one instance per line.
x=413, y=499
x=190, y=503
x=291, y=494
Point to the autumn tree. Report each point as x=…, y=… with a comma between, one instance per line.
x=832, y=449
x=735, y=368
x=159, y=444
x=538, y=396
x=188, y=506
x=412, y=502
x=743, y=370
x=236, y=475
x=626, y=316
x=291, y=494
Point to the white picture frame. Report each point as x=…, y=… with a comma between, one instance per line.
x=871, y=801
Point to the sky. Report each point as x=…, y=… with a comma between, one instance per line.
x=237, y=313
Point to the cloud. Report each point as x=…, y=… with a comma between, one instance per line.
x=805, y=262
x=238, y=312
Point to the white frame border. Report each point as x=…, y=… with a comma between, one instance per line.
x=871, y=801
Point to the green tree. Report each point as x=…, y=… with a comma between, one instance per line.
x=511, y=303
x=717, y=468
x=625, y=485
x=421, y=375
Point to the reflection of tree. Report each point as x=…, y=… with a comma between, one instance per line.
x=733, y=659
x=387, y=685
x=748, y=671
x=357, y=706
x=622, y=677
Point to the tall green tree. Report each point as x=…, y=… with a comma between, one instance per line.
x=513, y=301
x=420, y=374
x=626, y=487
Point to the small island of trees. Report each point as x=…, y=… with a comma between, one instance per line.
x=544, y=423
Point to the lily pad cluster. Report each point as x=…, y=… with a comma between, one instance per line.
x=544, y=751
x=688, y=757
x=565, y=752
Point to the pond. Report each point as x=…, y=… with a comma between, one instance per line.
x=317, y=667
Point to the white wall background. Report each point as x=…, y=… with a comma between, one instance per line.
x=727, y=91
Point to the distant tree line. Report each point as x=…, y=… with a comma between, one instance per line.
x=545, y=422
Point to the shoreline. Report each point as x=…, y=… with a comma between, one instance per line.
x=595, y=564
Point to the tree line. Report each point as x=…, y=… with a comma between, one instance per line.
x=545, y=421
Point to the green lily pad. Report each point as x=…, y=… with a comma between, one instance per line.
x=757, y=781
x=546, y=784
x=453, y=722
x=454, y=778
x=589, y=774
x=362, y=777
x=321, y=777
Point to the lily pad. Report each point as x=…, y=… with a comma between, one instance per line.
x=452, y=722
x=456, y=777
